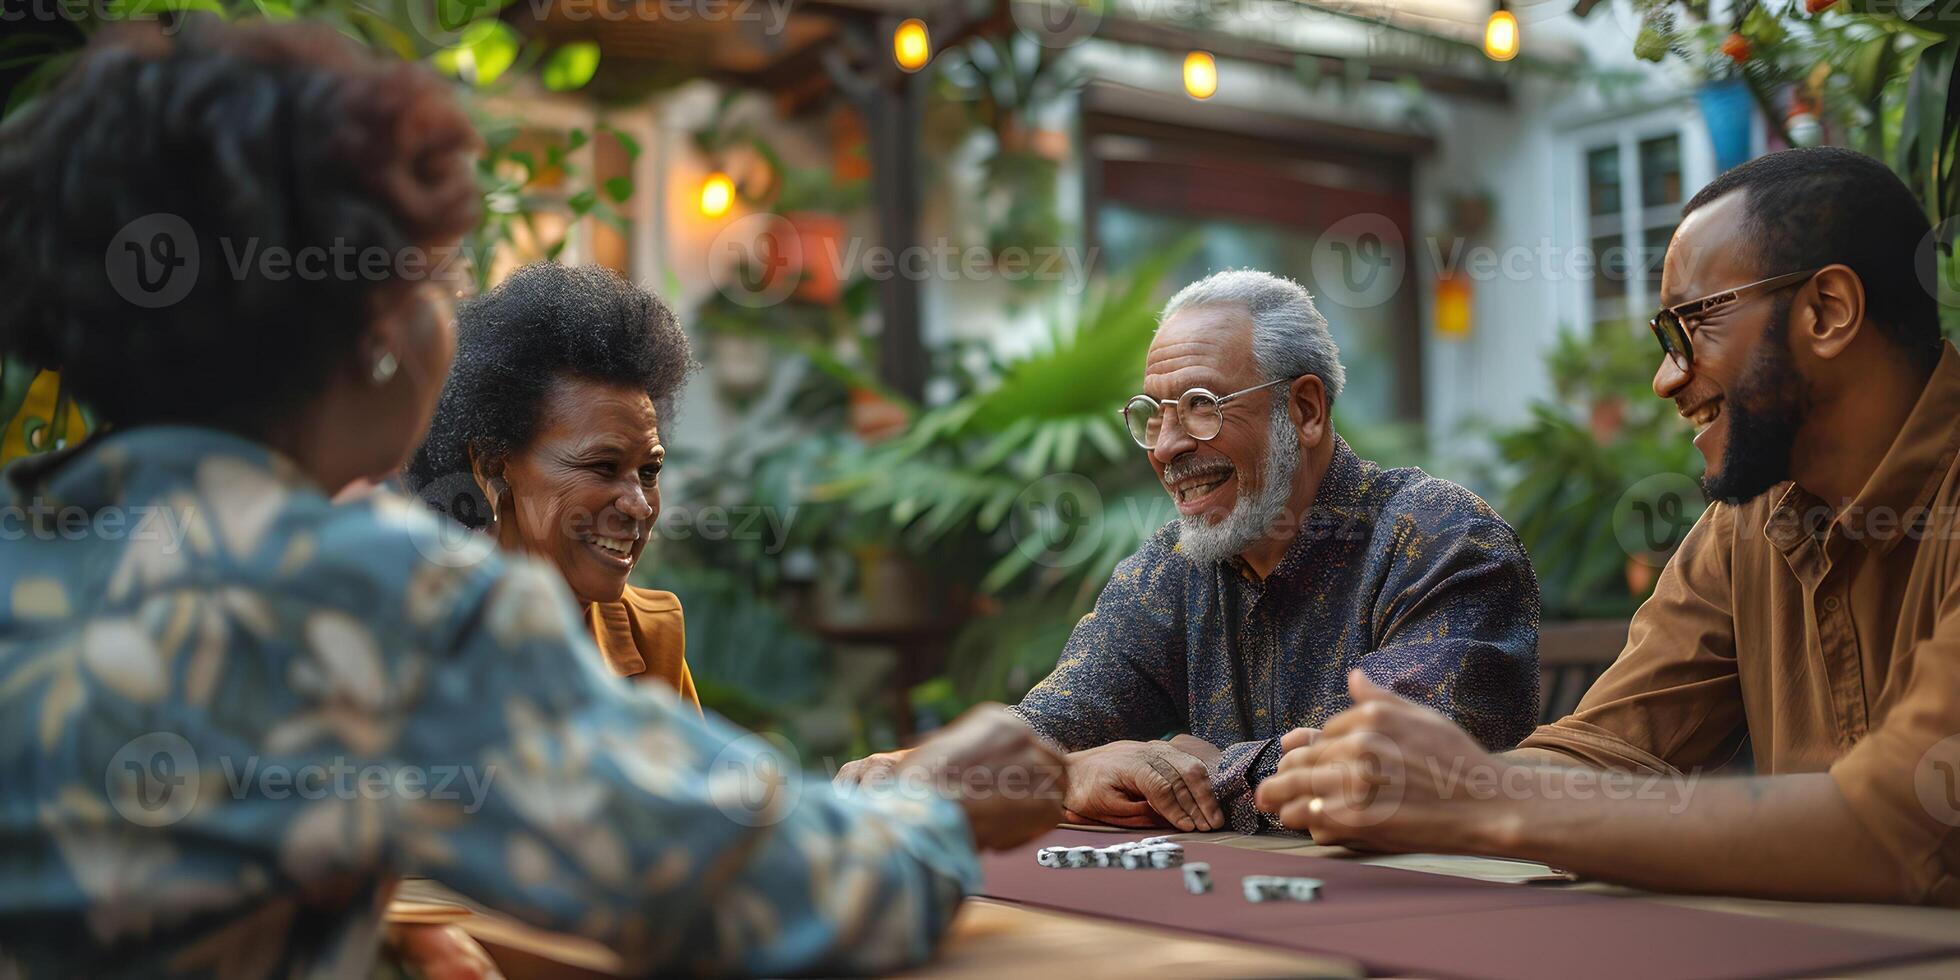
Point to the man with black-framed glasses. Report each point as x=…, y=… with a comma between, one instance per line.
x=1812, y=615
x=1292, y=562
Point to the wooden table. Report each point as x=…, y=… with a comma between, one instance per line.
x=990, y=938
x=986, y=938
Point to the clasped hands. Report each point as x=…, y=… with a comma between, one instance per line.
x=1390, y=775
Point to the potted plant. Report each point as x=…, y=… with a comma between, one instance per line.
x=1005, y=83
x=814, y=203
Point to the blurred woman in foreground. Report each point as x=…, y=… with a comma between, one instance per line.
x=232, y=712
x=548, y=437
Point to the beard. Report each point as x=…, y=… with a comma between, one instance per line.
x=1256, y=512
x=1766, y=410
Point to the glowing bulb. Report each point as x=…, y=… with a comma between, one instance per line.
x=717, y=195
x=1501, y=36
x=910, y=45
x=1200, y=75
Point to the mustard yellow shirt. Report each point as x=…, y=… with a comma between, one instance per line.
x=643, y=636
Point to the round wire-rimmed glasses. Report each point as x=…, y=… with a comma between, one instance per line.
x=1198, y=411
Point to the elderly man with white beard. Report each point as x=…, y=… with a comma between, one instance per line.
x=1293, y=561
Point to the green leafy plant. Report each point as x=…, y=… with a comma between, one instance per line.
x=1004, y=81
x=1577, y=458
x=970, y=480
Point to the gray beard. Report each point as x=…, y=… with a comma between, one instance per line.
x=1255, y=513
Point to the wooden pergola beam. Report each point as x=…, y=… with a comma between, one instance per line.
x=1171, y=37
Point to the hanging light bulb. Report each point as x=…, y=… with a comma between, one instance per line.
x=1501, y=34
x=1200, y=75
x=717, y=195
x=911, y=46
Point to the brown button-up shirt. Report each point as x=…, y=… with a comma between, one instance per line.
x=1830, y=638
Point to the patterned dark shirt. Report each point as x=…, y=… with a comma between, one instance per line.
x=1412, y=579
x=232, y=713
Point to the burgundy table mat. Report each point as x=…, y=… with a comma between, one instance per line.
x=1397, y=921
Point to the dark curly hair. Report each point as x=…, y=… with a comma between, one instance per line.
x=544, y=324
x=137, y=194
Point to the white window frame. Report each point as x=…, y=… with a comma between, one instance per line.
x=1681, y=119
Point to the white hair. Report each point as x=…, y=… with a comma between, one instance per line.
x=1289, y=336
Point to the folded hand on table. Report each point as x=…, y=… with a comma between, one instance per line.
x=1145, y=784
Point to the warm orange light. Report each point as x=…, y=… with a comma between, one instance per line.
x=1501, y=36
x=910, y=45
x=1200, y=75
x=717, y=195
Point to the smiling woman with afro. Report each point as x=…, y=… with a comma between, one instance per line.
x=548, y=437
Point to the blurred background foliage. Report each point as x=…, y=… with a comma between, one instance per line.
x=1873, y=75
x=1567, y=470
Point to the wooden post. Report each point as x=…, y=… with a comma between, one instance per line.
x=893, y=104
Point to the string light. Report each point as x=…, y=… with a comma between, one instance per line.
x=1501, y=34
x=1200, y=75
x=911, y=46
x=717, y=195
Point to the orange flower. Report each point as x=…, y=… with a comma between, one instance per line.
x=1737, y=48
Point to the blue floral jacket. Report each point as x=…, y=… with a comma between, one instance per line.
x=232, y=713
